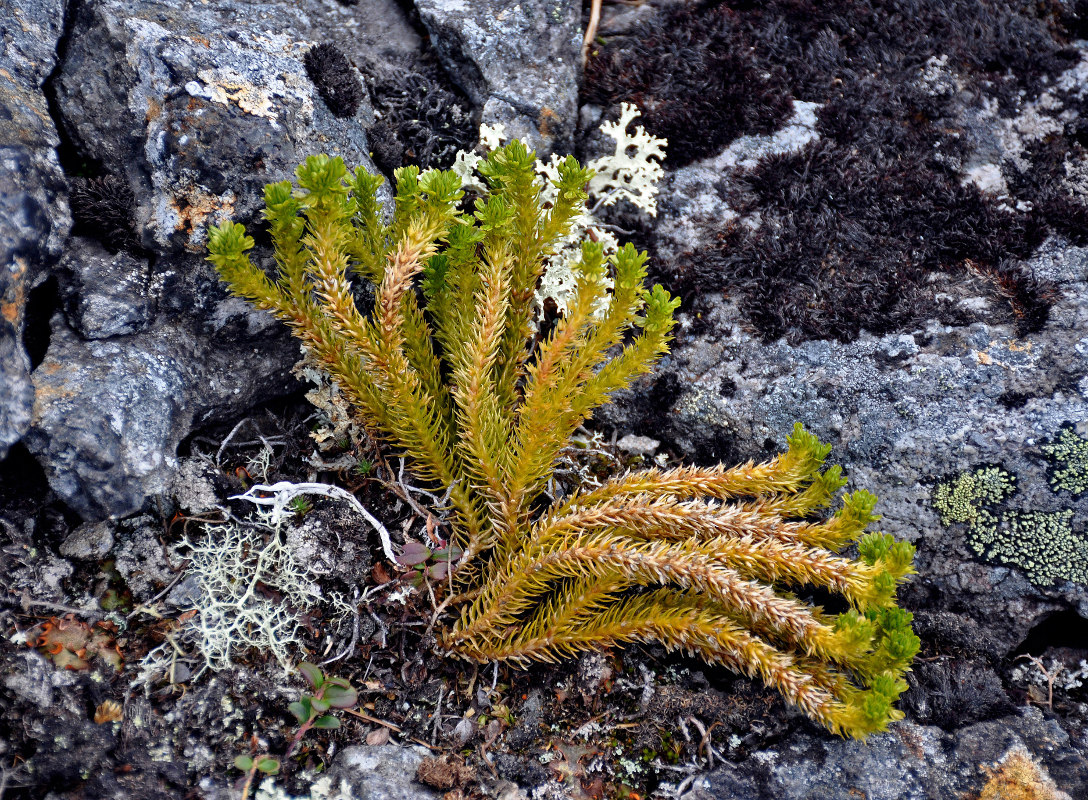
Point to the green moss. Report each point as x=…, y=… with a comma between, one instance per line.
x=1068, y=455
x=962, y=499
x=1041, y=543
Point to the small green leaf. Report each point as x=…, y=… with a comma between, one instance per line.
x=269, y=766
x=244, y=763
x=448, y=553
x=301, y=711
x=319, y=704
x=341, y=696
x=327, y=722
x=312, y=673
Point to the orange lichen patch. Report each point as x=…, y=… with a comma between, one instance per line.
x=10, y=311
x=72, y=644
x=226, y=86
x=47, y=393
x=1018, y=777
x=547, y=118
x=911, y=740
x=202, y=41
x=154, y=109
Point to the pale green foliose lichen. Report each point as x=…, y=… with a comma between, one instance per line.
x=1041, y=543
x=963, y=498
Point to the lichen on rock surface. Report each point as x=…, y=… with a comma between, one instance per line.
x=34, y=218
x=1041, y=543
x=1068, y=454
x=881, y=229
x=962, y=498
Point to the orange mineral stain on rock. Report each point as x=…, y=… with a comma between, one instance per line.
x=193, y=207
x=12, y=302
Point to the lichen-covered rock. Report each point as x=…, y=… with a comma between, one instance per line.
x=386, y=772
x=109, y=294
x=982, y=370
x=910, y=762
x=109, y=414
x=33, y=214
x=193, y=109
x=91, y=541
x=199, y=106
x=516, y=60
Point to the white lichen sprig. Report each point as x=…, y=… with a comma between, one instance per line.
x=633, y=171
x=284, y=492
x=238, y=567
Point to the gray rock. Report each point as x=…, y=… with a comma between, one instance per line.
x=903, y=411
x=91, y=541
x=519, y=61
x=33, y=213
x=909, y=762
x=108, y=294
x=34, y=678
x=186, y=594
x=17, y=399
x=141, y=558
x=109, y=414
x=386, y=772
x=380, y=773
x=192, y=487
x=638, y=445
x=199, y=106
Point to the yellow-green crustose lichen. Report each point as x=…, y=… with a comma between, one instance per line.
x=1041, y=543
x=1068, y=455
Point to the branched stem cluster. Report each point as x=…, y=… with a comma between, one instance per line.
x=448, y=368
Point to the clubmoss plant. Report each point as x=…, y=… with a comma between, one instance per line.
x=448, y=367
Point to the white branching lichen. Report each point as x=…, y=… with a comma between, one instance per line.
x=284, y=492
x=236, y=567
x=253, y=590
x=634, y=170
